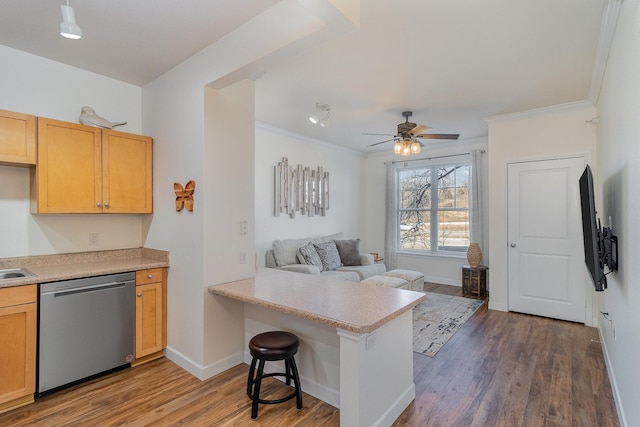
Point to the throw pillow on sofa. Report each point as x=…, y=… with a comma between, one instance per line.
x=285, y=251
x=307, y=254
x=329, y=255
x=349, y=251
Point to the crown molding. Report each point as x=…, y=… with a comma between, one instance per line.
x=285, y=132
x=607, y=32
x=569, y=106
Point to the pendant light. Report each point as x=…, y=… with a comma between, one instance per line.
x=68, y=26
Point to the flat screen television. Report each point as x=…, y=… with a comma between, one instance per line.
x=600, y=245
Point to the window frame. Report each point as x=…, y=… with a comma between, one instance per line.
x=434, y=208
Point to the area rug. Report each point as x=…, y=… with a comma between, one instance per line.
x=438, y=318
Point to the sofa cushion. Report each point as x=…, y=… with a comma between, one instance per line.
x=328, y=255
x=328, y=238
x=365, y=271
x=285, y=251
x=349, y=251
x=349, y=276
x=309, y=255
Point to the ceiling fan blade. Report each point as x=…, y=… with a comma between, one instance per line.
x=419, y=129
x=439, y=136
x=379, y=134
x=381, y=142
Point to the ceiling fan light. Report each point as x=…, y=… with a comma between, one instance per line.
x=415, y=147
x=406, y=148
x=397, y=148
x=68, y=26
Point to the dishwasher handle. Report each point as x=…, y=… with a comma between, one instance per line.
x=92, y=288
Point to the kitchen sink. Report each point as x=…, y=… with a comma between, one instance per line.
x=15, y=273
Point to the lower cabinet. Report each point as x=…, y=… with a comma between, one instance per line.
x=151, y=314
x=18, y=313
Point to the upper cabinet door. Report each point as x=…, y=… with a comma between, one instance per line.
x=84, y=169
x=17, y=138
x=127, y=177
x=69, y=170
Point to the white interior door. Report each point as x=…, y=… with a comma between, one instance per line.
x=546, y=257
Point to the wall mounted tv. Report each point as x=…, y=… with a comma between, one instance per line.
x=600, y=245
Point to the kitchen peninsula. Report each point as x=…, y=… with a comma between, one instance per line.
x=356, y=339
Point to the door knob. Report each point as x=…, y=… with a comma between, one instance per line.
x=513, y=245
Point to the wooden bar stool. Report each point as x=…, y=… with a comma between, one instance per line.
x=273, y=346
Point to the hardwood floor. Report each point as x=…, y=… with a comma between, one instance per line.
x=500, y=369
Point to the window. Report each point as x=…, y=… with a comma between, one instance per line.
x=433, y=208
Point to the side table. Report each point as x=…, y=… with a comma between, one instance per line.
x=474, y=280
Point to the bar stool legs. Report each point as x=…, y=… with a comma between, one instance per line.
x=273, y=346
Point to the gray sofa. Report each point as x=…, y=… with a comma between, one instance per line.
x=285, y=255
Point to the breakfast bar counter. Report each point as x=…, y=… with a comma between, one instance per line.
x=356, y=339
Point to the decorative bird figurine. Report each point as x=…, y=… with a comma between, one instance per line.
x=90, y=118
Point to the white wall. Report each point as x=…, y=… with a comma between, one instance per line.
x=444, y=270
x=617, y=174
x=345, y=186
x=194, y=138
x=38, y=86
x=228, y=200
x=543, y=133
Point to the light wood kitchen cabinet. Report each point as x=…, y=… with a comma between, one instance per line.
x=151, y=314
x=17, y=138
x=83, y=169
x=17, y=346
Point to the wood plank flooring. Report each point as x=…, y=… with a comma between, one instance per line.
x=500, y=369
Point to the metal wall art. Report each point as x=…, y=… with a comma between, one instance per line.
x=300, y=189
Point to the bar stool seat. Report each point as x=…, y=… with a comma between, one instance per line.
x=273, y=346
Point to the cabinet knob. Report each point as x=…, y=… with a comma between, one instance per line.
x=106, y=204
x=149, y=276
x=139, y=294
x=513, y=245
x=98, y=204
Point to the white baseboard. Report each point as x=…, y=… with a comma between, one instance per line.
x=199, y=371
x=398, y=407
x=319, y=391
x=442, y=281
x=612, y=380
x=498, y=306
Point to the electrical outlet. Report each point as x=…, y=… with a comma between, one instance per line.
x=94, y=239
x=244, y=227
x=243, y=257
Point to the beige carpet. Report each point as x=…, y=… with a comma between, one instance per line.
x=438, y=318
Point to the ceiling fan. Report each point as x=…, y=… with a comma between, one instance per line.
x=406, y=142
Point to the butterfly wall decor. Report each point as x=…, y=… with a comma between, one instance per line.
x=184, y=196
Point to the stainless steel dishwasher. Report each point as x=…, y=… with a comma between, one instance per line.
x=86, y=329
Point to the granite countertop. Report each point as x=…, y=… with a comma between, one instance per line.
x=355, y=307
x=51, y=268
